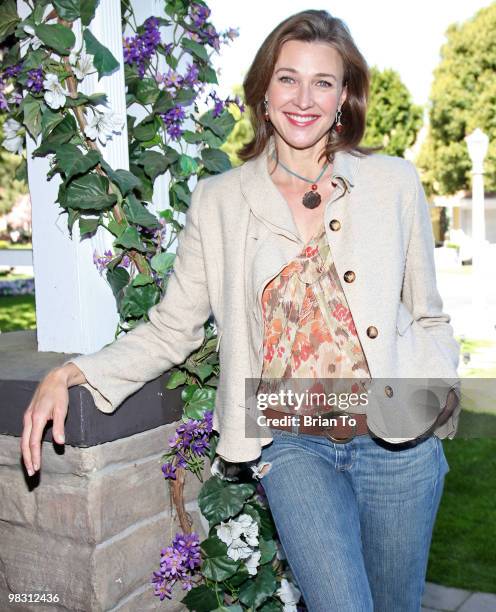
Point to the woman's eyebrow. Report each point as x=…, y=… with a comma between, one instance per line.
x=318, y=74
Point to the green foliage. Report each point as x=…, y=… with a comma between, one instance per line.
x=463, y=98
x=393, y=121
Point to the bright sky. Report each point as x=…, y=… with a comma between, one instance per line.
x=405, y=36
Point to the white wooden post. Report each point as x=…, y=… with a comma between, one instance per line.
x=75, y=307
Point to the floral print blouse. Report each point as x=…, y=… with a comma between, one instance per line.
x=309, y=331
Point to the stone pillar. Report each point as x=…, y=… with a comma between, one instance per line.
x=91, y=530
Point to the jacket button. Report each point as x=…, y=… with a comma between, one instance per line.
x=372, y=332
x=335, y=225
x=349, y=276
x=388, y=391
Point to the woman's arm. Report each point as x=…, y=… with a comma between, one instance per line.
x=420, y=293
x=174, y=331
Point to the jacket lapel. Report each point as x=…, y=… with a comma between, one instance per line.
x=266, y=201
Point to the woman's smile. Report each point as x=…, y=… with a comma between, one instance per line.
x=301, y=120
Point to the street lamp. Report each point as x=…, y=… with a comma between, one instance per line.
x=477, y=144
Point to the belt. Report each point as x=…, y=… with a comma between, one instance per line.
x=339, y=430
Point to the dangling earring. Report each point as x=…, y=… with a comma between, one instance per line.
x=266, y=113
x=339, y=126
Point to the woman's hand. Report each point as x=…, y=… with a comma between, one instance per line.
x=49, y=402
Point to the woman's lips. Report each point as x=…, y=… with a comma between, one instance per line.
x=304, y=123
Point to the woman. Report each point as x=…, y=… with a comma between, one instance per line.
x=316, y=259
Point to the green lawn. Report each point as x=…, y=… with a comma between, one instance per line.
x=17, y=312
x=463, y=552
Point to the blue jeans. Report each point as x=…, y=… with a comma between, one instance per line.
x=355, y=520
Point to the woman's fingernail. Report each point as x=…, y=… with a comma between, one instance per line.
x=30, y=471
x=36, y=467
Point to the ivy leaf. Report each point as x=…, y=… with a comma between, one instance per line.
x=147, y=91
x=176, y=379
x=49, y=120
x=138, y=301
x=90, y=192
x=130, y=239
x=162, y=262
x=222, y=125
x=88, y=8
x=201, y=599
x=72, y=161
x=203, y=399
x=58, y=37
x=67, y=9
x=103, y=60
x=61, y=134
x=267, y=549
x=88, y=225
x=206, y=74
x=154, y=163
x=145, y=130
x=216, y=564
x=215, y=160
x=118, y=278
x=255, y=592
x=142, y=279
x=8, y=18
x=219, y=500
x=32, y=115
x=195, y=48
x=125, y=180
x=187, y=165
x=138, y=214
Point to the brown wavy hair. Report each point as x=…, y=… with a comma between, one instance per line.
x=310, y=26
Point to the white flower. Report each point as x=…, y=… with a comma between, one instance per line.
x=289, y=595
x=55, y=94
x=13, y=141
x=34, y=42
x=227, y=532
x=82, y=66
x=238, y=549
x=250, y=529
x=102, y=125
x=253, y=562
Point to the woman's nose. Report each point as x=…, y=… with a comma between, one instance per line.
x=304, y=96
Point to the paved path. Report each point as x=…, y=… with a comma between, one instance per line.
x=439, y=598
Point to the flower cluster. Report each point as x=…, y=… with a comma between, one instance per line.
x=205, y=33
x=189, y=443
x=9, y=87
x=177, y=563
x=241, y=536
x=34, y=81
x=139, y=49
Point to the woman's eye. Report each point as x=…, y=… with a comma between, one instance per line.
x=326, y=83
x=285, y=77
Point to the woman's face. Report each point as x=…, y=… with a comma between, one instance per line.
x=305, y=92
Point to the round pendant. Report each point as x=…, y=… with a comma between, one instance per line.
x=311, y=199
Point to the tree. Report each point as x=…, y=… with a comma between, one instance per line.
x=463, y=97
x=393, y=120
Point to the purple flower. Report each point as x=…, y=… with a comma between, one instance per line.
x=169, y=470
x=34, y=81
x=163, y=588
x=12, y=71
x=139, y=49
x=172, y=562
x=103, y=261
x=189, y=546
x=199, y=14
x=199, y=445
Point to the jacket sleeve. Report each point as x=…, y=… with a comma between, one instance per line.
x=420, y=293
x=174, y=330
